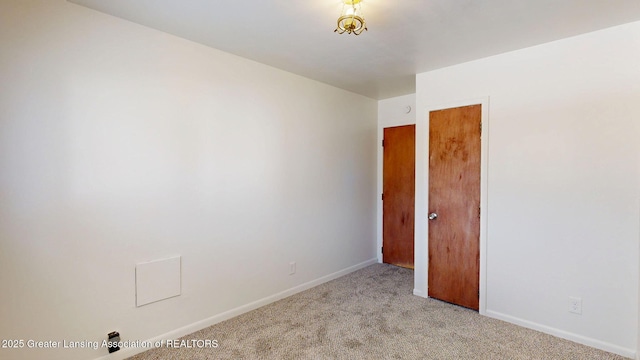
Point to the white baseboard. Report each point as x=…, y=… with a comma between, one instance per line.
x=186, y=330
x=630, y=353
x=419, y=293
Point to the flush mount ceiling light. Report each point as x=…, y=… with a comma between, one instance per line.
x=351, y=20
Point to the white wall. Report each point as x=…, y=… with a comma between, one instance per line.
x=120, y=144
x=563, y=181
x=396, y=111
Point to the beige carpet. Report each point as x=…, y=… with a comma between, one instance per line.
x=372, y=314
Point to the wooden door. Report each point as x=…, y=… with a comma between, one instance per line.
x=398, y=189
x=454, y=196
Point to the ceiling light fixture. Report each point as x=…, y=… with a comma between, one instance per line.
x=351, y=20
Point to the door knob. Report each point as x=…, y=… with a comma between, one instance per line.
x=433, y=216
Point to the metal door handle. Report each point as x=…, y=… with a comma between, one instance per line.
x=433, y=216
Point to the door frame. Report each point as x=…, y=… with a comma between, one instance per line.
x=421, y=244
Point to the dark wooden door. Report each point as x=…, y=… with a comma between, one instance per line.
x=398, y=188
x=454, y=196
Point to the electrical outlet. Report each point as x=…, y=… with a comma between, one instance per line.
x=292, y=268
x=114, y=341
x=575, y=305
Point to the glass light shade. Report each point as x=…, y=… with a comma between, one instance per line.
x=351, y=20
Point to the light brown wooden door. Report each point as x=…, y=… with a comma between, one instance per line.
x=454, y=196
x=398, y=189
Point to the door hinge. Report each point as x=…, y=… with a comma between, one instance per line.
x=382, y=250
x=480, y=127
x=382, y=142
x=478, y=212
x=382, y=197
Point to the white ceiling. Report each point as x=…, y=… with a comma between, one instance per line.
x=404, y=37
